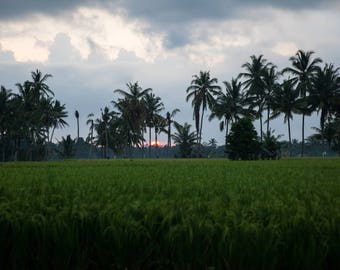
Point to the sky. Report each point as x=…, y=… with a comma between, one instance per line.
x=94, y=47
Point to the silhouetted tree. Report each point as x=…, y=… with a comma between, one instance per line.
x=242, y=141
x=303, y=69
x=202, y=91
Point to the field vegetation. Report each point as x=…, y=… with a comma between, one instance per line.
x=170, y=214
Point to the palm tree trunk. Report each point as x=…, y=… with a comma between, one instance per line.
x=106, y=143
x=169, y=134
x=17, y=146
x=268, y=113
x=289, y=137
x=200, y=138
x=156, y=143
x=303, y=135
x=52, y=134
x=3, y=146
x=322, y=136
x=91, y=139
x=226, y=134
x=149, y=141
x=261, y=126
x=77, y=129
x=169, y=139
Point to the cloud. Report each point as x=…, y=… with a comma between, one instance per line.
x=32, y=39
x=94, y=47
x=156, y=10
x=285, y=48
x=62, y=51
x=172, y=17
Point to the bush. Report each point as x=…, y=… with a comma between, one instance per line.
x=242, y=141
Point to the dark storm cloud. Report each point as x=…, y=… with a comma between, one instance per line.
x=161, y=11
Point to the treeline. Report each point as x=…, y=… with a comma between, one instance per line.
x=29, y=118
x=261, y=91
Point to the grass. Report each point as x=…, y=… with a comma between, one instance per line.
x=170, y=214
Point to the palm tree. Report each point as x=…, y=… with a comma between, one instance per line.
x=132, y=109
x=229, y=105
x=90, y=122
x=45, y=111
x=328, y=134
x=202, y=91
x=169, y=120
x=153, y=107
x=184, y=138
x=160, y=124
x=285, y=100
x=67, y=147
x=102, y=127
x=39, y=86
x=271, y=145
x=58, y=114
x=254, y=84
x=5, y=96
x=76, y=114
x=324, y=92
x=303, y=69
x=270, y=80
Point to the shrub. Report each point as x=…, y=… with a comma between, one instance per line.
x=242, y=142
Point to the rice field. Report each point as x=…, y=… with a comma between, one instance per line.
x=170, y=214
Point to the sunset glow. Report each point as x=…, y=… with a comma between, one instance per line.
x=158, y=143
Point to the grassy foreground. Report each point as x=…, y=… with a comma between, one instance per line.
x=170, y=214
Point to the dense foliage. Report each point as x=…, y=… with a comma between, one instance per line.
x=173, y=214
x=29, y=118
x=242, y=141
x=260, y=91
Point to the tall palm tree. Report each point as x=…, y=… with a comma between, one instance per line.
x=169, y=120
x=29, y=109
x=90, y=122
x=45, y=110
x=133, y=110
x=303, y=69
x=5, y=96
x=58, y=114
x=229, y=106
x=76, y=114
x=285, y=101
x=102, y=126
x=270, y=80
x=328, y=134
x=254, y=84
x=324, y=92
x=153, y=106
x=160, y=124
x=202, y=91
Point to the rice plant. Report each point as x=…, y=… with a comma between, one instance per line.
x=170, y=214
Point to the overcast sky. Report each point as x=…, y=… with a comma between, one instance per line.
x=94, y=47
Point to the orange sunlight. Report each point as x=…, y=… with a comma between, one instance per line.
x=158, y=143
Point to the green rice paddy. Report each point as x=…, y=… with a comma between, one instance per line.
x=170, y=214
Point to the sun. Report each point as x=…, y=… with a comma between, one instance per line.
x=158, y=143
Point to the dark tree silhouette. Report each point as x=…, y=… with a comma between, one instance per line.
x=303, y=69
x=202, y=91
x=76, y=114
